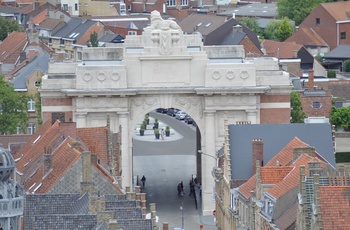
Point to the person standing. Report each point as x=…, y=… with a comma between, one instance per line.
x=162, y=133
x=143, y=180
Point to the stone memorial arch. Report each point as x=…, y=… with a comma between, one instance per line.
x=164, y=67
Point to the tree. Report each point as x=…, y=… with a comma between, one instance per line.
x=340, y=117
x=252, y=24
x=7, y=26
x=285, y=30
x=296, y=110
x=271, y=30
x=94, y=39
x=347, y=65
x=297, y=10
x=13, y=107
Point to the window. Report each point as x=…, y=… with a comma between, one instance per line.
x=184, y=2
x=37, y=83
x=318, y=21
x=18, y=130
x=66, y=54
x=65, y=7
x=129, y=7
x=80, y=56
x=72, y=55
x=171, y=2
x=131, y=32
x=342, y=35
x=76, y=6
x=31, y=128
x=31, y=105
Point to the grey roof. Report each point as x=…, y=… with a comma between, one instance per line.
x=64, y=222
x=127, y=213
x=40, y=62
x=80, y=30
x=234, y=38
x=68, y=28
x=339, y=52
x=8, y=10
x=135, y=224
x=275, y=137
x=264, y=10
x=112, y=38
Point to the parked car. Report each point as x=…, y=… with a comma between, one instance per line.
x=188, y=119
x=162, y=110
x=180, y=115
x=172, y=111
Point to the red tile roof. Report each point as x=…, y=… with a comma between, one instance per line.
x=12, y=46
x=338, y=10
x=62, y=159
x=39, y=18
x=307, y=37
x=335, y=206
x=98, y=28
x=285, y=156
x=96, y=139
x=280, y=49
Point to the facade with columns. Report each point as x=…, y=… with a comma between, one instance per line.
x=165, y=68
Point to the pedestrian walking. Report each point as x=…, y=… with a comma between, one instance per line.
x=192, y=191
x=162, y=133
x=143, y=180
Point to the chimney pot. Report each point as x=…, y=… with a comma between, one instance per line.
x=310, y=85
x=257, y=153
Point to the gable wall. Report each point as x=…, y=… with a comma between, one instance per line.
x=327, y=28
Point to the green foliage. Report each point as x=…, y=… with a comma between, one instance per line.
x=340, y=117
x=347, y=65
x=38, y=108
x=252, y=24
x=13, y=107
x=7, y=26
x=342, y=157
x=296, y=10
x=142, y=127
x=156, y=131
x=285, y=30
x=331, y=74
x=296, y=110
x=94, y=39
x=167, y=128
x=156, y=120
x=319, y=58
x=271, y=30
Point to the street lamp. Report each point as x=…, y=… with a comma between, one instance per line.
x=216, y=172
x=202, y=153
x=182, y=217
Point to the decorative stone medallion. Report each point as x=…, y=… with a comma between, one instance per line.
x=87, y=77
x=115, y=76
x=216, y=75
x=230, y=75
x=101, y=76
x=244, y=74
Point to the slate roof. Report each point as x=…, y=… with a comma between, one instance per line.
x=12, y=46
x=275, y=137
x=335, y=206
x=65, y=222
x=8, y=10
x=286, y=220
x=260, y=10
x=49, y=23
x=307, y=37
x=74, y=29
x=340, y=88
x=339, y=52
x=40, y=62
x=112, y=38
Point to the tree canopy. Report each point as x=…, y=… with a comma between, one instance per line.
x=296, y=111
x=297, y=10
x=285, y=30
x=13, y=107
x=252, y=24
x=340, y=117
x=94, y=39
x=7, y=26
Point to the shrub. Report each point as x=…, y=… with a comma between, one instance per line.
x=142, y=127
x=156, y=131
x=347, y=66
x=331, y=74
x=167, y=128
x=156, y=120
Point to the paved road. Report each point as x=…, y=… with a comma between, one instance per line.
x=165, y=164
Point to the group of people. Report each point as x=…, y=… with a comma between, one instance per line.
x=180, y=188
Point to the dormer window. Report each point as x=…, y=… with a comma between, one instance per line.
x=318, y=21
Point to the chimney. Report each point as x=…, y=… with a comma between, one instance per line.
x=257, y=153
x=314, y=168
x=310, y=85
x=165, y=226
x=298, y=151
x=47, y=160
x=236, y=28
x=85, y=17
x=36, y=5
x=62, y=18
x=68, y=129
x=295, y=53
x=112, y=224
x=22, y=56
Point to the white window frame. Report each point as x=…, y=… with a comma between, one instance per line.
x=31, y=128
x=31, y=105
x=171, y=2
x=132, y=32
x=184, y=2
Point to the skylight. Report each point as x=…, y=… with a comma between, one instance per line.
x=36, y=139
x=76, y=35
x=207, y=25
x=199, y=24
x=72, y=35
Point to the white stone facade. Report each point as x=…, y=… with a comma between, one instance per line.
x=165, y=68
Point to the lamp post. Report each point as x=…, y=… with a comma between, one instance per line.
x=182, y=217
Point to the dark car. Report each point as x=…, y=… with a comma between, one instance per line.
x=162, y=110
x=188, y=119
x=172, y=111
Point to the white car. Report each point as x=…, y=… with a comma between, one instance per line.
x=180, y=115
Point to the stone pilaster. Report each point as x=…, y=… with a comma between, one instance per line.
x=126, y=155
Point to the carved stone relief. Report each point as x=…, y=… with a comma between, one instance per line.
x=141, y=103
x=230, y=75
x=101, y=76
x=216, y=75
x=115, y=76
x=87, y=77
x=244, y=74
x=189, y=102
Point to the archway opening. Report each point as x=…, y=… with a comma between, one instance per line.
x=166, y=162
